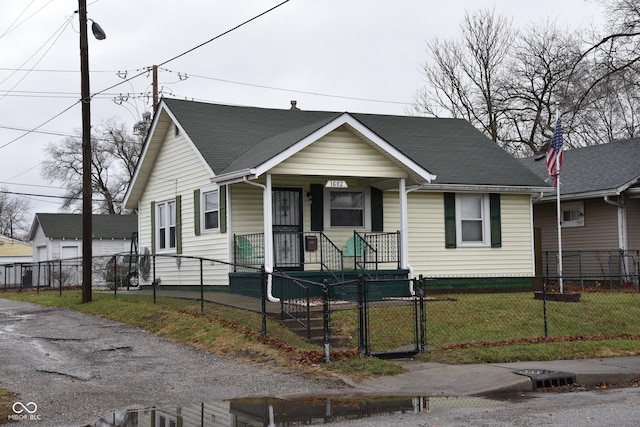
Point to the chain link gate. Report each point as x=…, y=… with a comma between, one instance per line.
x=390, y=327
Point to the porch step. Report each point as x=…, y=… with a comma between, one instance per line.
x=316, y=331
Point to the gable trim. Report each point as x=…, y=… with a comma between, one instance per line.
x=358, y=128
x=148, y=157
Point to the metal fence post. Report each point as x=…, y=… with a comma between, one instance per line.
x=201, y=288
x=38, y=284
x=154, y=283
x=423, y=317
x=544, y=307
x=325, y=320
x=363, y=345
x=60, y=276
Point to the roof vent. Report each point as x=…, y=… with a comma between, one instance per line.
x=294, y=104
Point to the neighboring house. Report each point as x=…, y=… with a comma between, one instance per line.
x=12, y=250
x=599, y=198
x=58, y=236
x=599, y=209
x=15, y=260
x=288, y=188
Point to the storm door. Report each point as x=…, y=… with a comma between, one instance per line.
x=287, y=228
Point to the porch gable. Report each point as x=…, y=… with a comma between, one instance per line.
x=341, y=153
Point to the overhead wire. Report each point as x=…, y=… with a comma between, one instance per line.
x=147, y=70
x=57, y=35
x=12, y=27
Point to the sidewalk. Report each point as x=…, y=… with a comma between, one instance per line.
x=428, y=379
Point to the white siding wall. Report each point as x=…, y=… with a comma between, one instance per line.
x=340, y=153
x=178, y=170
x=427, y=252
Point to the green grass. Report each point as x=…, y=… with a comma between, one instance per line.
x=461, y=328
x=505, y=327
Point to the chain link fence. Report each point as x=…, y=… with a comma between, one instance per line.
x=390, y=316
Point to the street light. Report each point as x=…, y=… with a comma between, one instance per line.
x=87, y=191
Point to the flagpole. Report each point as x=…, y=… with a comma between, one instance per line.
x=558, y=212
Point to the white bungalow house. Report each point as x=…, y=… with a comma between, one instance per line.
x=315, y=192
x=57, y=237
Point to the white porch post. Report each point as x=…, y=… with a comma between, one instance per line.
x=404, y=226
x=404, y=233
x=268, y=236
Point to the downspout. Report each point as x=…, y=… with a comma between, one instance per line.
x=622, y=221
x=404, y=231
x=268, y=233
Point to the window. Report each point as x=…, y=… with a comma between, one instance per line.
x=472, y=220
x=166, y=225
x=572, y=214
x=472, y=224
x=346, y=208
x=211, y=209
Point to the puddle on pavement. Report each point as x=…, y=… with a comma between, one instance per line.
x=271, y=411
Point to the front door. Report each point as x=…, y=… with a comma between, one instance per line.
x=287, y=228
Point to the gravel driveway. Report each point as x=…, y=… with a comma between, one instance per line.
x=77, y=367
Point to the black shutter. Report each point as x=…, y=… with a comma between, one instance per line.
x=377, y=217
x=178, y=224
x=449, y=220
x=496, y=224
x=317, y=207
x=222, y=206
x=153, y=228
x=196, y=212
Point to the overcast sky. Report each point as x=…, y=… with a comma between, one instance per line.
x=338, y=55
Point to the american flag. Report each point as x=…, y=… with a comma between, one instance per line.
x=554, y=153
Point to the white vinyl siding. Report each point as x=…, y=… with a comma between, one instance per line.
x=177, y=171
x=427, y=252
x=337, y=154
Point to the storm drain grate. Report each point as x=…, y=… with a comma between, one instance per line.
x=542, y=378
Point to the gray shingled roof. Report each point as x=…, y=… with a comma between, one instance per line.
x=69, y=226
x=232, y=138
x=595, y=169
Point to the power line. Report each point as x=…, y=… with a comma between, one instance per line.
x=147, y=70
x=50, y=196
x=290, y=90
x=40, y=125
x=13, y=27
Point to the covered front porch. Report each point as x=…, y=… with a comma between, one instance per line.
x=367, y=253
x=325, y=229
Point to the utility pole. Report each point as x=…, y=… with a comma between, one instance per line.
x=87, y=191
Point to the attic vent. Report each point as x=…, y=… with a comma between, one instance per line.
x=294, y=104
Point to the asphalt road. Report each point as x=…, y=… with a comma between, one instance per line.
x=602, y=408
x=77, y=367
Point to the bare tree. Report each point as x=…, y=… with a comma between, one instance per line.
x=536, y=85
x=14, y=211
x=114, y=156
x=510, y=85
x=463, y=79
